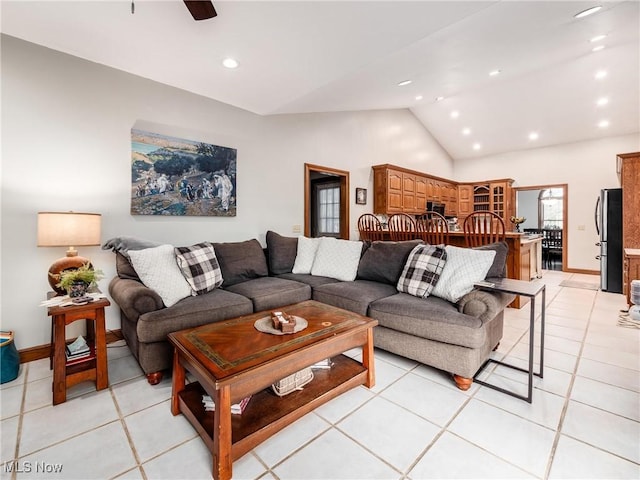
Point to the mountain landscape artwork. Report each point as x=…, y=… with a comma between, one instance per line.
x=174, y=176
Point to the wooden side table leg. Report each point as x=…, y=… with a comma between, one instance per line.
x=367, y=360
x=59, y=361
x=177, y=382
x=222, y=461
x=100, y=338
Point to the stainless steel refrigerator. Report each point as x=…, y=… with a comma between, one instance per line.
x=609, y=227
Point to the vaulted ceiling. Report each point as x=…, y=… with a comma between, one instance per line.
x=327, y=56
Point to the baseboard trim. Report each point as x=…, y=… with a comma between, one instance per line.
x=44, y=351
x=580, y=270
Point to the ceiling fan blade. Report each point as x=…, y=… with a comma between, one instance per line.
x=201, y=9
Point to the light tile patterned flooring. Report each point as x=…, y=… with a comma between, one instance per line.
x=414, y=424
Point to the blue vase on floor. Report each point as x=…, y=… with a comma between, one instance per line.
x=9, y=358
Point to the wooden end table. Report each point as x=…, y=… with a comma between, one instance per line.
x=94, y=367
x=232, y=360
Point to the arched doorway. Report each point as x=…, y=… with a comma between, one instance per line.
x=545, y=208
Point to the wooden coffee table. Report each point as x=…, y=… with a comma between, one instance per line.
x=231, y=360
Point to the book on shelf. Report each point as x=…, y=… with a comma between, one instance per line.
x=78, y=349
x=236, y=408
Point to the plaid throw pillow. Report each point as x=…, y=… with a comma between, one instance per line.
x=422, y=270
x=200, y=267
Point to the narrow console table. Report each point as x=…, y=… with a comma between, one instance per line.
x=530, y=290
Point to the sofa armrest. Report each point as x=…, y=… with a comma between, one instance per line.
x=134, y=298
x=483, y=304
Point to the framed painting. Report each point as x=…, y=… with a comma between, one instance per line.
x=174, y=176
x=361, y=196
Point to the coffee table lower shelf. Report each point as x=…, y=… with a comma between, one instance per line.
x=267, y=413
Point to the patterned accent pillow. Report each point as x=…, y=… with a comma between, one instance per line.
x=200, y=267
x=337, y=259
x=465, y=266
x=158, y=270
x=306, y=254
x=422, y=270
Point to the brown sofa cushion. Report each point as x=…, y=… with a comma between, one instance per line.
x=282, y=252
x=124, y=269
x=241, y=261
x=499, y=266
x=384, y=261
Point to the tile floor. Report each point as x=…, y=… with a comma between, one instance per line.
x=414, y=424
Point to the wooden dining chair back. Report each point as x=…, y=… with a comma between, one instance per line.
x=551, y=247
x=402, y=227
x=433, y=228
x=482, y=228
x=370, y=228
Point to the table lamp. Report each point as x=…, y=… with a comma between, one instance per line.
x=67, y=229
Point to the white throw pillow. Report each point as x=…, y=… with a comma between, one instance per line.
x=307, y=248
x=158, y=270
x=337, y=259
x=464, y=267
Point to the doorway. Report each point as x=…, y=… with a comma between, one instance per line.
x=326, y=202
x=545, y=210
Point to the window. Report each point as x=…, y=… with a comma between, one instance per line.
x=328, y=209
x=550, y=208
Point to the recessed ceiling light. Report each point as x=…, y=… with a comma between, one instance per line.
x=466, y=131
x=404, y=82
x=588, y=11
x=477, y=146
x=230, y=63
x=493, y=73
x=455, y=114
x=533, y=136
x=597, y=38
x=601, y=74
x=419, y=97
x=603, y=123
x=602, y=101
x=598, y=48
x=439, y=99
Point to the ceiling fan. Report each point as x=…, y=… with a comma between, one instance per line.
x=201, y=9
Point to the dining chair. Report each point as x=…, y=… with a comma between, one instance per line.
x=433, y=228
x=402, y=227
x=482, y=228
x=551, y=246
x=370, y=228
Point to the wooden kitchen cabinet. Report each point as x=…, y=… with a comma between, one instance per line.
x=408, y=193
x=401, y=190
x=421, y=193
x=398, y=190
x=492, y=196
x=631, y=270
x=465, y=200
x=629, y=169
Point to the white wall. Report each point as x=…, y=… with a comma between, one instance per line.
x=66, y=140
x=586, y=167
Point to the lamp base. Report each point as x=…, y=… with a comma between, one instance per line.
x=64, y=263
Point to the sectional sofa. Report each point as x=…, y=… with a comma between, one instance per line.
x=456, y=337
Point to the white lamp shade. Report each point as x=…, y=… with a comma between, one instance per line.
x=64, y=229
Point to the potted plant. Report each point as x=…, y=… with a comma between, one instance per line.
x=76, y=281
